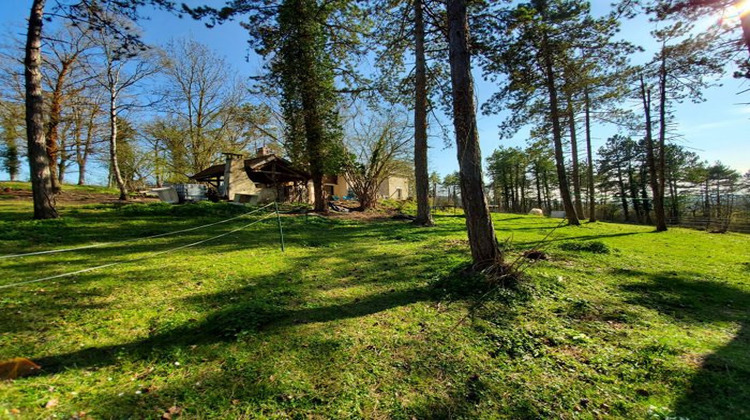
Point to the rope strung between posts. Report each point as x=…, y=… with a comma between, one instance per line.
x=160, y=235
x=86, y=270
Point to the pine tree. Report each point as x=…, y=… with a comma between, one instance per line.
x=309, y=41
x=484, y=248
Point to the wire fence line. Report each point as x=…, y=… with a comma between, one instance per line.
x=160, y=235
x=86, y=270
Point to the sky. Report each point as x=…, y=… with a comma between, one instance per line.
x=716, y=129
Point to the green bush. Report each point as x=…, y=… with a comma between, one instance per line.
x=594, y=247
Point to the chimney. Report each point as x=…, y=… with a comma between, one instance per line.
x=263, y=151
x=234, y=164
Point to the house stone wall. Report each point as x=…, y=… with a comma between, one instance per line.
x=390, y=186
x=236, y=180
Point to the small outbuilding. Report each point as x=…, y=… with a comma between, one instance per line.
x=268, y=177
x=264, y=178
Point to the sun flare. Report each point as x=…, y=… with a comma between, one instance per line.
x=733, y=13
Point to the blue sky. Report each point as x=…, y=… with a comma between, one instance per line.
x=716, y=129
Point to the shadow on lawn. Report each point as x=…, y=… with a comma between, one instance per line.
x=227, y=323
x=255, y=321
x=342, y=240
x=270, y=302
x=273, y=307
x=721, y=389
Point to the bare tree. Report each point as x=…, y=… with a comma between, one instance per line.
x=85, y=12
x=62, y=73
x=376, y=147
x=119, y=71
x=86, y=112
x=205, y=99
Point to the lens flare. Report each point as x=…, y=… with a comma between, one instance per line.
x=732, y=14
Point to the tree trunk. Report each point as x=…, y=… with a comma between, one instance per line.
x=661, y=224
x=576, y=176
x=81, y=174
x=623, y=194
x=314, y=137
x=55, y=115
x=660, y=208
x=114, y=165
x=590, y=158
x=538, y=186
x=547, y=194
x=570, y=211
x=482, y=240
x=422, y=181
x=634, y=192
x=745, y=22
x=55, y=112
x=434, y=194
x=513, y=191
x=706, y=200
x=62, y=167
x=523, y=192
x=644, y=197
x=82, y=148
x=675, y=198
x=41, y=184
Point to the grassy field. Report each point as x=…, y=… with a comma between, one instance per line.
x=363, y=319
x=25, y=186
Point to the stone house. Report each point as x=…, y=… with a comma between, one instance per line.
x=268, y=177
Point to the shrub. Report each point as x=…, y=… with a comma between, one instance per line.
x=594, y=247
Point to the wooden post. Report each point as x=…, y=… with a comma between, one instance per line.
x=278, y=221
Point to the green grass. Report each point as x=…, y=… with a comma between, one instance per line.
x=361, y=320
x=25, y=186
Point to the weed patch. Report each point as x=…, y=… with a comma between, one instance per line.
x=594, y=247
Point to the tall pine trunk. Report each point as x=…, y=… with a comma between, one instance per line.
x=537, y=180
x=547, y=194
x=482, y=240
x=658, y=205
x=660, y=210
x=41, y=183
x=633, y=187
x=623, y=194
x=590, y=159
x=576, y=175
x=570, y=211
x=422, y=181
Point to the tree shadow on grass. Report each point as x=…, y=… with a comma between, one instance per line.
x=721, y=389
x=229, y=321
x=525, y=244
x=252, y=316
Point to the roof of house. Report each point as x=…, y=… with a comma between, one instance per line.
x=262, y=169
x=210, y=172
